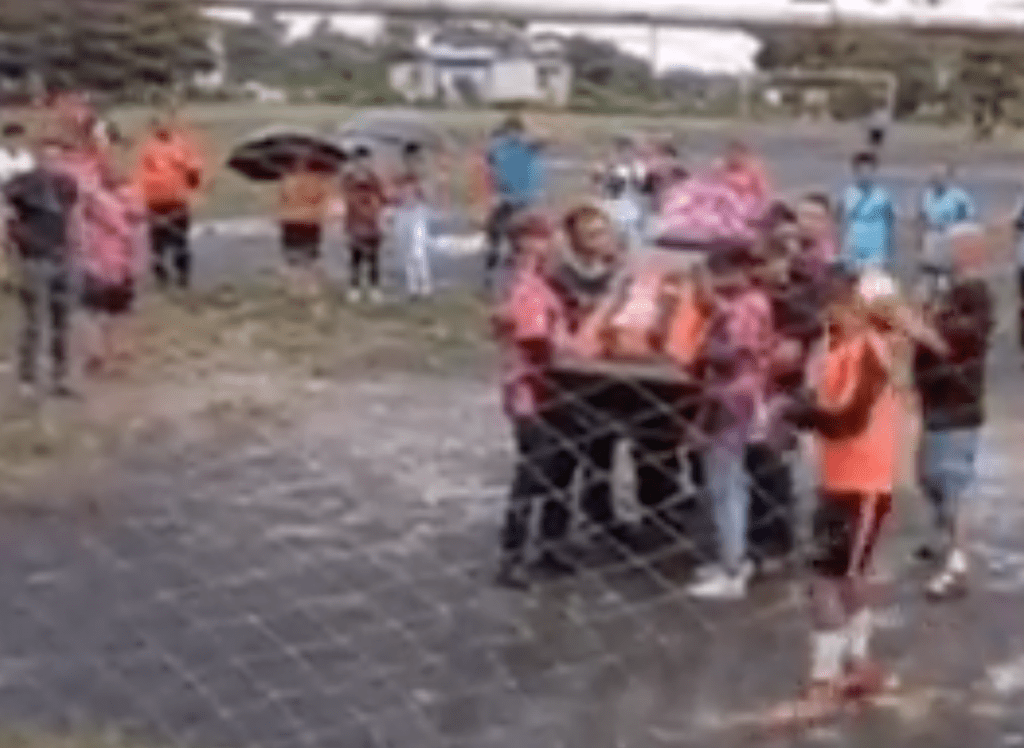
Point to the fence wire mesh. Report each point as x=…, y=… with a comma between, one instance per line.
x=317, y=588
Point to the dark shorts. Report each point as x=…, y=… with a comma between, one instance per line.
x=105, y=297
x=300, y=243
x=845, y=531
x=364, y=245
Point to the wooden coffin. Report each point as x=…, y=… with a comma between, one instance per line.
x=652, y=315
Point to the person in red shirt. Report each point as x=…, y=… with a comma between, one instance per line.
x=305, y=199
x=169, y=172
x=113, y=215
x=745, y=174
x=527, y=324
x=365, y=202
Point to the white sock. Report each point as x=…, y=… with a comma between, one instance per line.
x=827, y=649
x=957, y=561
x=858, y=632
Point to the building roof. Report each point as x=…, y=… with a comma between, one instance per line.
x=477, y=44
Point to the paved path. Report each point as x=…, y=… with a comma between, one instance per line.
x=228, y=249
x=321, y=590
x=329, y=587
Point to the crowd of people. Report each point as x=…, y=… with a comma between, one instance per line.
x=77, y=223
x=85, y=211
x=795, y=363
x=800, y=366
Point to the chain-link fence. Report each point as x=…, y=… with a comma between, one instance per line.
x=332, y=584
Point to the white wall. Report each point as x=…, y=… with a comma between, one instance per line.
x=448, y=78
x=556, y=84
x=514, y=80
x=414, y=80
x=501, y=81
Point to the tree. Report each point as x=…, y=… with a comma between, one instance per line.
x=254, y=51
x=989, y=79
x=109, y=45
x=827, y=49
x=603, y=65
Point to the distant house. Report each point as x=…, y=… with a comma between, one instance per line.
x=475, y=66
x=263, y=94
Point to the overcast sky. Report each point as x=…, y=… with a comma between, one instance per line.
x=716, y=51
x=710, y=51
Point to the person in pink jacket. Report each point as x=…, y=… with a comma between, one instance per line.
x=113, y=216
x=746, y=175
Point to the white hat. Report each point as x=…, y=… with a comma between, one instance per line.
x=875, y=285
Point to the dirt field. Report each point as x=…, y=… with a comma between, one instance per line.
x=230, y=360
x=274, y=530
x=574, y=136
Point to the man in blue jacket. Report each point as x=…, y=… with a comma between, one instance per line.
x=867, y=218
x=945, y=205
x=517, y=172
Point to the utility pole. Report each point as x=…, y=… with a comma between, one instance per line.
x=652, y=41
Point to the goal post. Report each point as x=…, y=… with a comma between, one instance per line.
x=880, y=85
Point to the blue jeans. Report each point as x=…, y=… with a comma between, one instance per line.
x=947, y=460
x=412, y=232
x=730, y=502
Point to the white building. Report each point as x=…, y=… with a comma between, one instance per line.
x=263, y=94
x=469, y=66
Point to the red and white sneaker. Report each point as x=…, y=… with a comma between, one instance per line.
x=821, y=702
x=865, y=679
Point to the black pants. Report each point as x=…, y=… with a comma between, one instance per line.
x=772, y=502
x=46, y=297
x=498, y=223
x=545, y=465
x=596, y=455
x=168, y=231
x=364, y=261
x=664, y=420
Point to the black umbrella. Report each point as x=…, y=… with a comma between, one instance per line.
x=394, y=126
x=269, y=154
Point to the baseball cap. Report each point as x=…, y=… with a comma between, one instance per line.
x=877, y=286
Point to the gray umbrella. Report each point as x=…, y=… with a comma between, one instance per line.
x=270, y=153
x=393, y=126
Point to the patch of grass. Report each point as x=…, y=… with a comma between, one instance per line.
x=258, y=327
x=224, y=363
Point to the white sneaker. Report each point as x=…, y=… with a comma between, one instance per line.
x=720, y=586
x=951, y=582
x=376, y=297
x=711, y=570
x=354, y=295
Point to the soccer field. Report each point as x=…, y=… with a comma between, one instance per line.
x=802, y=153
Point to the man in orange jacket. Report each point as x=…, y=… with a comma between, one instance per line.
x=169, y=172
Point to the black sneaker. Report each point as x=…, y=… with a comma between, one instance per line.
x=928, y=553
x=551, y=564
x=512, y=575
x=63, y=391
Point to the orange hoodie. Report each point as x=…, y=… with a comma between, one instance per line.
x=858, y=418
x=169, y=171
